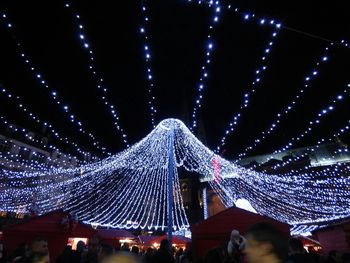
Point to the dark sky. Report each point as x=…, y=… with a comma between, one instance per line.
x=177, y=32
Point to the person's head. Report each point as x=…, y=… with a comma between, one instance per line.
x=164, y=244
x=80, y=246
x=105, y=251
x=235, y=236
x=149, y=251
x=40, y=247
x=265, y=242
x=135, y=250
x=93, y=245
x=295, y=246
x=332, y=253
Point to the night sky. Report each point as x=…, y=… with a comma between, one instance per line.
x=177, y=32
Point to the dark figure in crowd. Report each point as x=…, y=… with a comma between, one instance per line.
x=125, y=247
x=65, y=256
x=91, y=256
x=215, y=255
x=265, y=244
x=178, y=255
x=235, y=247
x=186, y=257
x=297, y=253
x=346, y=258
x=316, y=257
x=76, y=254
x=164, y=253
x=135, y=250
x=21, y=254
x=39, y=251
x=104, y=252
x=332, y=257
x=147, y=258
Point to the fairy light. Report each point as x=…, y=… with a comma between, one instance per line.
x=205, y=66
x=36, y=119
x=290, y=106
x=82, y=35
x=254, y=85
x=53, y=94
x=144, y=28
x=324, y=112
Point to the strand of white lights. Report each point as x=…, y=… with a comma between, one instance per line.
x=36, y=119
x=53, y=94
x=321, y=141
x=255, y=84
x=92, y=68
x=289, y=108
x=44, y=146
x=148, y=59
x=209, y=47
x=129, y=189
x=316, y=121
x=251, y=15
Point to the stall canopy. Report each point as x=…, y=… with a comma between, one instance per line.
x=113, y=236
x=55, y=227
x=215, y=231
x=335, y=236
x=177, y=240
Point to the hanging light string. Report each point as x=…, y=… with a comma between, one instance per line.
x=230, y=8
x=53, y=94
x=45, y=146
x=290, y=106
x=209, y=48
x=324, y=112
x=254, y=85
x=310, y=150
x=144, y=31
x=85, y=44
x=36, y=119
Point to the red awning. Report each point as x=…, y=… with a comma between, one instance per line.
x=114, y=234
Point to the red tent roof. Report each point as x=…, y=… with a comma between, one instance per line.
x=215, y=231
x=48, y=224
x=234, y=218
x=114, y=234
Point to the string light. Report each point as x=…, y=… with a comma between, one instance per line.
x=66, y=109
x=36, y=119
x=148, y=59
x=324, y=112
x=99, y=80
x=205, y=66
x=247, y=95
x=290, y=106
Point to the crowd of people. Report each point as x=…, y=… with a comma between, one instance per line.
x=262, y=243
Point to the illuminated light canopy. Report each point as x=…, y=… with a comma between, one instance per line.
x=129, y=189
